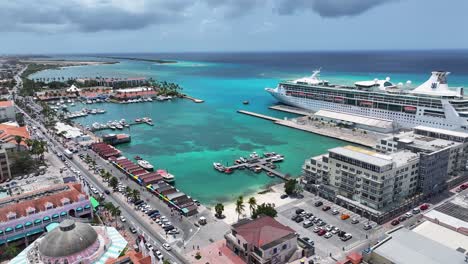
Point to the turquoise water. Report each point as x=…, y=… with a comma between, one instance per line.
x=187, y=137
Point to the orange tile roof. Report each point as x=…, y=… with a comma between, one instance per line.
x=262, y=231
x=6, y=103
x=20, y=208
x=135, y=257
x=8, y=133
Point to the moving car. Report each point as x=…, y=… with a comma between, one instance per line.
x=424, y=207
x=123, y=219
x=133, y=230
x=367, y=227
x=395, y=222
x=166, y=246
x=318, y=203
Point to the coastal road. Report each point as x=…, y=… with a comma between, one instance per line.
x=129, y=212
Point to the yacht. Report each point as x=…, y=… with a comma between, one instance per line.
x=433, y=103
x=219, y=167
x=167, y=177
x=145, y=164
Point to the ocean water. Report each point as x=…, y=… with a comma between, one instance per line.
x=187, y=137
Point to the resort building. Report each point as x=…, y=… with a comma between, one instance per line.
x=134, y=93
x=365, y=181
x=71, y=132
x=27, y=215
x=7, y=111
x=9, y=132
x=263, y=240
x=5, y=172
x=73, y=242
x=114, y=82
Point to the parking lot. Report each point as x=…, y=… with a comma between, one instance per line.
x=332, y=245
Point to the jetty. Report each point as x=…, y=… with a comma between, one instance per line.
x=292, y=110
x=259, y=164
x=274, y=119
x=193, y=99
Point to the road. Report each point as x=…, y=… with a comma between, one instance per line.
x=150, y=235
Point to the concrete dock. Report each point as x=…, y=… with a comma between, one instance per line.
x=261, y=163
x=258, y=115
x=290, y=109
x=195, y=100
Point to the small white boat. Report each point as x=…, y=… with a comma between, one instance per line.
x=219, y=167
x=254, y=155
x=145, y=165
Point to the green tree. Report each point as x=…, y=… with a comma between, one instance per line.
x=22, y=163
x=128, y=191
x=10, y=251
x=113, y=182
x=136, y=195
x=252, y=204
x=240, y=207
x=219, y=208
x=290, y=186
x=264, y=209
x=18, y=140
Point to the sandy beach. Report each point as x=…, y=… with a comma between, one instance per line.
x=67, y=62
x=273, y=196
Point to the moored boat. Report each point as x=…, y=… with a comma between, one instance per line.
x=145, y=164
x=219, y=167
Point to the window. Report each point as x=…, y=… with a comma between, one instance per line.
x=275, y=250
x=285, y=246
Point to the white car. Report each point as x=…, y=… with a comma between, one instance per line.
x=328, y=235
x=122, y=218
x=166, y=246
x=159, y=255
x=408, y=215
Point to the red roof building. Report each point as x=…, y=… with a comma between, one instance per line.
x=262, y=240
x=131, y=257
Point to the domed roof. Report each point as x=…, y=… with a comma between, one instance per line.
x=71, y=237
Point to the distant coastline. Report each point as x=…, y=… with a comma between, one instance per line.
x=66, y=63
x=140, y=59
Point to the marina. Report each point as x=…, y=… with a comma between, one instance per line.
x=119, y=125
x=257, y=164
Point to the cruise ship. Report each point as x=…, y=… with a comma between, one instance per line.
x=432, y=103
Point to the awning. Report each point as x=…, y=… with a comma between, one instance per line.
x=1, y=232
x=18, y=226
x=35, y=231
x=8, y=229
x=55, y=216
x=87, y=207
x=28, y=224
x=79, y=209
x=46, y=218
x=63, y=213
x=51, y=226
x=15, y=237
x=37, y=221
x=94, y=202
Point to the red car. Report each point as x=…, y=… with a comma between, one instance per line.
x=322, y=232
x=395, y=222
x=424, y=207
x=464, y=186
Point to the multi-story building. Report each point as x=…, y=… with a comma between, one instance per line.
x=7, y=111
x=27, y=215
x=5, y=172
x=263, y=240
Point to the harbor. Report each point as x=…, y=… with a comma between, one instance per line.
x=119, y=125
x=255, y=163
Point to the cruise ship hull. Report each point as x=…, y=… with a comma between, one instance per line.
x=402, y=120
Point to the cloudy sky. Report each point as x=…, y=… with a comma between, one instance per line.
x=82, y=26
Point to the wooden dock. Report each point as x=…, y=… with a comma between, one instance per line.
x=274, y=119
x=261, y=163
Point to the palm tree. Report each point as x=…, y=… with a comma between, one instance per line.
x=240, y=206
x=128, y=191
x=113, y=182
x=252, y=204
x=136, y=195
x=219, y=208
x=29, y=143
x=18, y=140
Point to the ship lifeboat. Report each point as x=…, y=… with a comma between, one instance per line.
x=366, y=103
x=339, y=99
x=409, y=109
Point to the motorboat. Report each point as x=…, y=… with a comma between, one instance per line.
x=145, y=164
x=254, y=155
x=219, y=167
x=167, y=177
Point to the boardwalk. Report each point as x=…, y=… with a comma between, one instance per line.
x=258, y=115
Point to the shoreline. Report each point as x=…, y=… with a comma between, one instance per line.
x=140, y=59
x=269, y=194
x=66, y=63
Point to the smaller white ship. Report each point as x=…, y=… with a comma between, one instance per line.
x=145, y=165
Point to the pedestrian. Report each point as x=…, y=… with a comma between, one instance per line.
x=198, y=247
x=193, y=246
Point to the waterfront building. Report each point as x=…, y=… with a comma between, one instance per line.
x=73, y=242
x=115, y=139
x=8, y=147
x=404, y=246
x=5, y=172
x=7, y=111
x=432, y=103
x=26, y=215
x=263, y=240
x=114, y=82
x=134, y=93
x=71, y=132
x=131, y=257
x=358, y=121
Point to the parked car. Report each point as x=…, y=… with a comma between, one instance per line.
x=318, y=203
x=316, y=229
x=335, y=230
x=149, y=246
x=299, y=211
x=416, y=211
x=344, y=216
x=123, y=219
x=335, y=212
x=299, y=219
x=308, y=240
x=395, y=222
x=307, y=224
x=326, y=208
x=346, y=237
x=173, y=231
x=367, y=227
x=464, y=186
x=294, y=217
x=321, y=232
x=408, y=215
x=328, y=235
x=159, y=255
x=133, y=230
x=354, y=221
x=284, y=196
x=402, y=218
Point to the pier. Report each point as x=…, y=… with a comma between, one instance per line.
x=292, y=110
x=260, y=163
x=195, y=100
x=274, y=119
